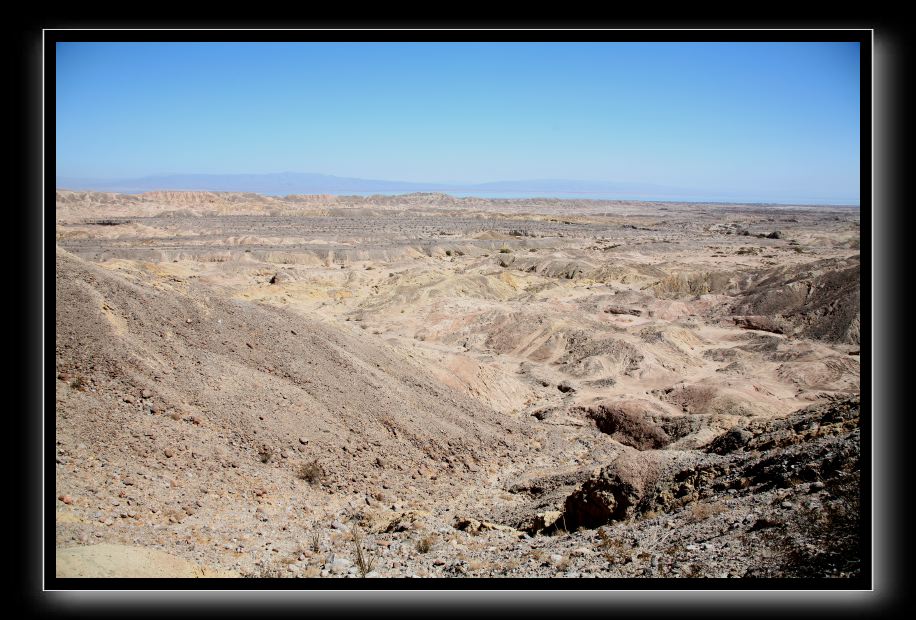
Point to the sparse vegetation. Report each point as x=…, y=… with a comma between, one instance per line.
x=510, y=565
x=821, y=541
x=508, y=397
x=692, y=571
x=365, y=560
x=312, y=472
x=266, y=454
x=560, y=528
x=268, y=571
x=614, y=550
x=700, y=511
x=425, y=543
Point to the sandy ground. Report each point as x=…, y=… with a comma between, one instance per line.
x=123, y=561
x=470, y=387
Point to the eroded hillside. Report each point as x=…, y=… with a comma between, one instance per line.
x=480, y=387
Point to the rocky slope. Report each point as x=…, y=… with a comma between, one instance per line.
x=427, y=386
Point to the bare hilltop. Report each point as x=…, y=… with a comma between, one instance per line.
x=428, y=386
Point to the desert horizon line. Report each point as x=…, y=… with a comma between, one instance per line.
x=289, y=182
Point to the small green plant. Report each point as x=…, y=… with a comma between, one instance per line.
x=448, y=252
x=78, y=383
x=504, y=250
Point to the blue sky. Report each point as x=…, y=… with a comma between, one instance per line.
x=777, y=120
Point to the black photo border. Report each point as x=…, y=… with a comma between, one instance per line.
x=841, y=596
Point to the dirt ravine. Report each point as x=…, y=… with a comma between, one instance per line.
x=425, y=386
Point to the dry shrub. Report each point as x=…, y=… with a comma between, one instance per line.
x=702, y=511
x=425, y=544
x=692, y=571
x=820, y=541
x=614, y=550
x=363, y=559
x=510, y=564
x=269, y=571
x=174, y=514
x=312, y=472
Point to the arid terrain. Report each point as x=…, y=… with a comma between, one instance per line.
x=425, y=386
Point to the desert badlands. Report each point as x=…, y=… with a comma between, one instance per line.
x=429, y=386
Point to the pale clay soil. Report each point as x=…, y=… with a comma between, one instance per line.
x=473, y=388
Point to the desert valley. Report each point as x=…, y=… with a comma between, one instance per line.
x=428, y=386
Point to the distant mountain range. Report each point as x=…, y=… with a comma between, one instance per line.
x=307, y=183
x=284, y=183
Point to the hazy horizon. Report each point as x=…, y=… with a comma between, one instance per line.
x=768, y=121
x=286, y=183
